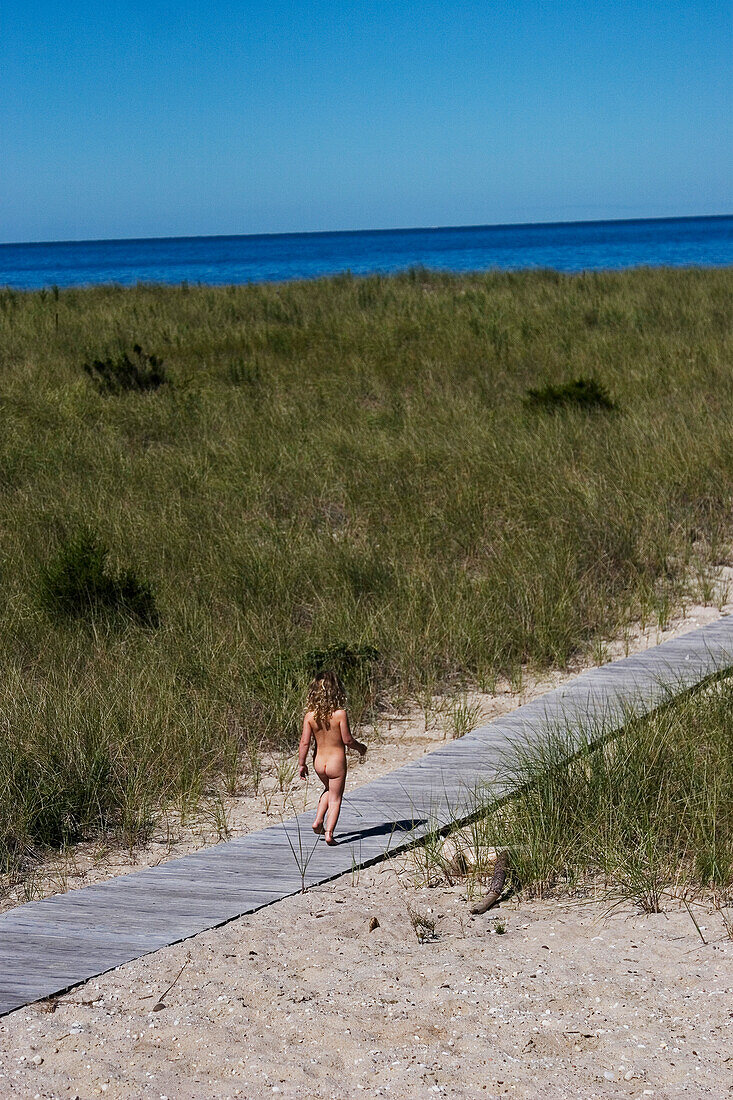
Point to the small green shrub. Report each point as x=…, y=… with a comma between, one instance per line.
x=138, y=373
x=78, y=584
x=340, y=657
x=463, y=715
x=355, y=665
x=583, y=393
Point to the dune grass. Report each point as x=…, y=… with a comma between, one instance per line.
x=347, y=462
x=643, y=815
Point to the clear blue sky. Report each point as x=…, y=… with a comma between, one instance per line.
x=152, y=118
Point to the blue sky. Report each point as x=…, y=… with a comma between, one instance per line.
x=131, y=118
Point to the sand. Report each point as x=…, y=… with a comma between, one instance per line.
x=302, y=1000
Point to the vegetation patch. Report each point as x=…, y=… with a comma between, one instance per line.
x=137, y=372
x=79, y=584
x=649, y=811
x=356, y=665
x=343, y=659
x=581, y=393
x=374, y=475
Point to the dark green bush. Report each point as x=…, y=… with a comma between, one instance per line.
x=355, y=665
x=584, y=393
x=78, y=584
x=340, y=657
x=138, y=373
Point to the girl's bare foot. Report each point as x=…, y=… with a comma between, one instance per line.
x=329, y=839
x=318, y=828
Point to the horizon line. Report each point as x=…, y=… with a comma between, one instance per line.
x=362, y=232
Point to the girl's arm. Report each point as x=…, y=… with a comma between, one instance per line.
x=348, y=738
x=305, y=740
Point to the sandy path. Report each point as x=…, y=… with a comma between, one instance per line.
x=302, y=1000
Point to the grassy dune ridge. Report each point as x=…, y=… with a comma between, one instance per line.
x=345, y=460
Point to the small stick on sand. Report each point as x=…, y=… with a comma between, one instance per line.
x=497, y=884
x=161, y=1000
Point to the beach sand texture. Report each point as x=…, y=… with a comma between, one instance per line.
x=302, y=1000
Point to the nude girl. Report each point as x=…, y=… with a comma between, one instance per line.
x=327, y=722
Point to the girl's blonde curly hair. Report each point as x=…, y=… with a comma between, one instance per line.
x=325, y=695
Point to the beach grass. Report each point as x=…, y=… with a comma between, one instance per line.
x=642, y=816
x=349, y=462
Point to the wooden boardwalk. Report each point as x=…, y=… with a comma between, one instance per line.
x=47, y=946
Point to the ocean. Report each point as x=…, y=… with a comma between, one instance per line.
x=569, y=246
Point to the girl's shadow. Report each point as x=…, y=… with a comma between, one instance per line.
x=386, y=829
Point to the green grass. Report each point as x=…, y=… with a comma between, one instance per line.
x=349, y=463
x=649, y=811
x=77, y=584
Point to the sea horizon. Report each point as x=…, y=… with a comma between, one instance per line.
x=221, y=259
x=364, y=232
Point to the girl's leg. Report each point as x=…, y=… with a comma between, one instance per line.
x=322, y=809
x=335, y=794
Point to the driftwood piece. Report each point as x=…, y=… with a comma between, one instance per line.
x=497, y=884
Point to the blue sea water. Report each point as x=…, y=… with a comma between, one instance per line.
x=569, y=246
